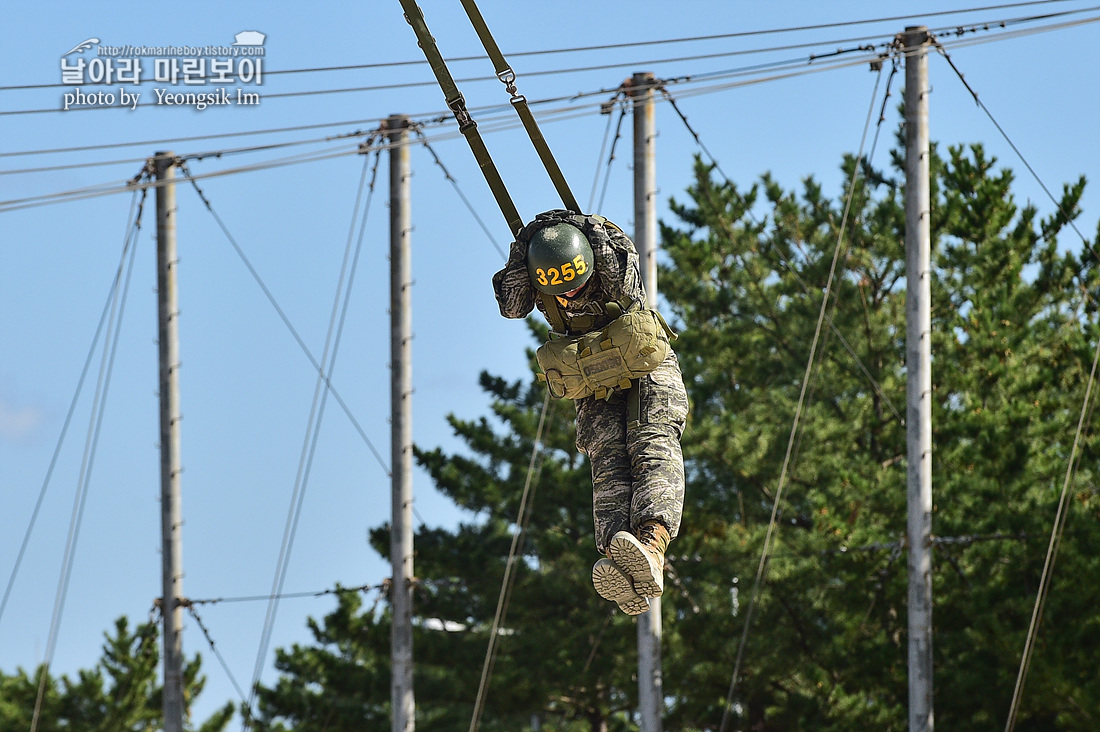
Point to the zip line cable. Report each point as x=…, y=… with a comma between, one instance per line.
x=762, y=567
x=337, y=319
x=134, y=221
x=95, y=424
x=533, y=470
x=1052, y=549
x=286, y=320
x=628, y=44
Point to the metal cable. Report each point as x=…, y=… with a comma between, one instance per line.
x=1069, y=219
x=797, y=68
x=447, y=174
x=95, y=424
x=762, y=567
x=1052, y=550
x=286, y=320
x=603, y=147
x=509, y=576
x=316, y=415
x=134, y=221
x=631, y=44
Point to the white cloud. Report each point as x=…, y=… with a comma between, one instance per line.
x=18, y=423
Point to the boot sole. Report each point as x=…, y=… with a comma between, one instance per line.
x=630, y=555
x=613, y=584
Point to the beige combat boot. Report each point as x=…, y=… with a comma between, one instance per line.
x=642, y=557
x=615, y=585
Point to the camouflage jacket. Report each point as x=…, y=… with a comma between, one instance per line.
x=617, y=277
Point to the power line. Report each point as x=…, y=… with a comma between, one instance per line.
x=563, y=113
x=447, y=175
x=440, y=119
x=629, y=44
x=793, y=72
x=598, y=67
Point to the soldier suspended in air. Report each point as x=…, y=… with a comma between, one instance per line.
x=611, y=355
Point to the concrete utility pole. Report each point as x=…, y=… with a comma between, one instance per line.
x=918, y=357
x=401, y=538
x=650, y=687
x=171, y=512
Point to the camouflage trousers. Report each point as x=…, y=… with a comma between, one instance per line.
x=637, y=464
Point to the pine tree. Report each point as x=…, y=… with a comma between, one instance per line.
x=119, y=694
x=1015, y=321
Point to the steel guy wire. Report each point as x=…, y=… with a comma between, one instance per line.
x=533, y=470
x=611, y=155
x=95, y=424
x=317, y=410
x=286, y=320
x=1066, y=214
x=129, y=239
x=458, y=190
x=603, y=146
x=762, y=567
x=806, y=288
x=1052, y=549
x=221, y=659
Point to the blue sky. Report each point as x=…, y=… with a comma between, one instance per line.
x=246, y=387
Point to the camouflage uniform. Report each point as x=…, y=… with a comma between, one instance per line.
x=637, y=465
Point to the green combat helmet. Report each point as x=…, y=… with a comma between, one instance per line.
x=559, y=259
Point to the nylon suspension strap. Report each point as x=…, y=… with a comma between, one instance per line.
x=466, y=124
x=508, y=78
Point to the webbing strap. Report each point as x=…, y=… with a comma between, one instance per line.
x=553, y=313
x=508, y=77
x=466, y=124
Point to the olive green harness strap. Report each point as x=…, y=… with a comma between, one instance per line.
x=466, y=124
x=508, y=77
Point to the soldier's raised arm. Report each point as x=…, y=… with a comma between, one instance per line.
x=512, y=285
